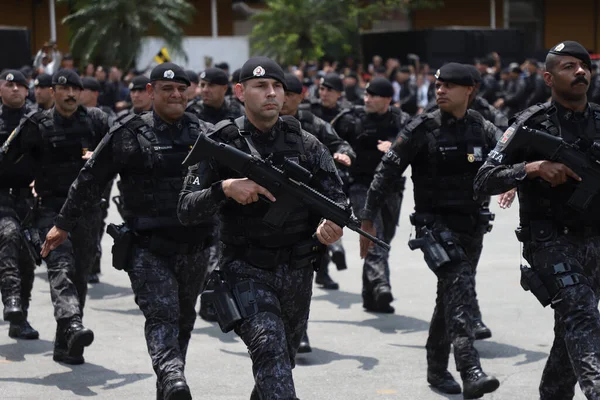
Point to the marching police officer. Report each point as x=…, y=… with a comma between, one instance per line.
x=561, y=237
x=445, y=149
x=371, y=130
x=213, y=106
x=43, y=93
x=273, y=261
x=330, y=103
x=17, y=267
x=140, y=99
x=166, y=261
x=340, y=150
x=59, y=140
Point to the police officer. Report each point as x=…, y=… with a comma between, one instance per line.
x=140, y=98
x=213, y=106
x=17, y=267
x=89, y=97
x=330, y=102
x=561, y=242
x=253, y=251
x=168, y=261
x=59, y=140
x=370, y=130
x=192, y=90
x=43, y=93
x=445, y=149
x=340, y=150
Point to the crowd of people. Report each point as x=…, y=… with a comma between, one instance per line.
x=347, y=132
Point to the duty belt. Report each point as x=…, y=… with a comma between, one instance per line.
x=524, y=233
x=166, y=247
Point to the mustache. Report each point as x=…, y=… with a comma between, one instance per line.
x=70, y=99
x=580, y=79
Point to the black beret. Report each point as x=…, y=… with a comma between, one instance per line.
x=573, y=49
x=215, y=76
x=380, y=87
x=235, y=75
x=455, y=73
x=43, y=81
x=91, y=84
x=474, y=73
x=26, y=71
x=222, y=65
x=67, y=77
x=139, y=83
x=12, y=75
x=333, y=81
x=293, y=84
x=169, y=72
x=262, y=67
x=192, y=75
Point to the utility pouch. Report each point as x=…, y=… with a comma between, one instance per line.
x=123, y=245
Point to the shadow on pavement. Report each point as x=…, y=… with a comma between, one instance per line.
x=103, y=290
x=385, y=323
x=344, y=300
x=20, y=348
x=489, y=349
x=133, y=311
x=214, y=331
x=322, y=357
x=81, y=378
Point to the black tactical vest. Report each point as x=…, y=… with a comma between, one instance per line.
x=539, y=201
x=65, y=142
x=150, y=189
x=20, y=174
x=370, y=130
x=241, y=225
x=455, y=152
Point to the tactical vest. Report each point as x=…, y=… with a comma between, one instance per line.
x=150, y=189
x=20, y=174
x=369, y=132
x=63, y=147
x=307, y=120
x=242, y=225
x=539, y=201
x=444, y=181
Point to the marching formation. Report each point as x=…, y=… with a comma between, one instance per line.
x=236, y=191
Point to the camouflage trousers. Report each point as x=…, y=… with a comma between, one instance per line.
x=70, y=263
x=166, y=289
x=273, y=340
x=575, y=353
x=376, y=269
x=17, y=268
x=100, y=226
x=452, y=320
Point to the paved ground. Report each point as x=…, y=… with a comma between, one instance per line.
x=356, y=355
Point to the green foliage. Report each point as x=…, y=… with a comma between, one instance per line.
x=111, y=31
x=294, y=30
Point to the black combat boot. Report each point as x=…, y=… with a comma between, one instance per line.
x=322, y=278
x=71, y=338
x=443, y=381
x=476, y=383
x=338, y=256
x=22, y=330
x=480, y=331
x=304, y=344
x=13, y=312
x=176, y=389
x=379, y=300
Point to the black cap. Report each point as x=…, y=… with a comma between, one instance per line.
x=222, y=65
x=26, y=71
x=293, y=84
x=455, y=73
x=215, y=76
x=353, y=75
x=235, y=75
x=67, y=77
x=380, y=87
x=474, y=73
x=573, y=49
x=139, y=83
x=333, y=81
x=43, y=81
x=192, y=75
x=90, y=84
x=262, y=67
x=169, y=72
x=12, y=75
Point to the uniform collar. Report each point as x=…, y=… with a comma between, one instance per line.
x=570, y=115
x=268, y=136
x=161, y=125
x=450, y=120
